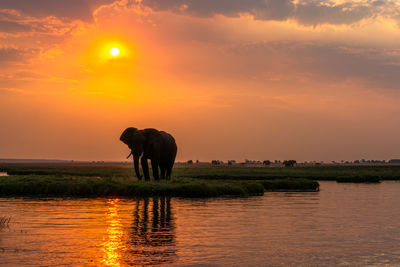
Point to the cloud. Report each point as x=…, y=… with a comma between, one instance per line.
x=316, y=61
x=71, y=9
x=13, y=27
x=268, y=65
x=262, y=9
x=13, y=23
x=318, y=12
x=16, y=55
x=308, y=12
x=23, y=75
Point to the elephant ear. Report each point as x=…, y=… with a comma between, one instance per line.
x=127, y=135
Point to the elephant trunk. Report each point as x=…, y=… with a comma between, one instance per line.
x=136, y=164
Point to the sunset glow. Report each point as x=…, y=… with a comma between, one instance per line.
x=199, y=132
x=302, y=80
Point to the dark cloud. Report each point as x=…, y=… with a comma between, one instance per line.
x=13, y=27
x=262, y=9
x=315, y=12
x=71, y=9
x=340, y=62
x=308, y=12
x=274, y=10
x=375, y=68
x=16, y=55
x=16, y=22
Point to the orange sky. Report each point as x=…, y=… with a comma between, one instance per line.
x=255, y=79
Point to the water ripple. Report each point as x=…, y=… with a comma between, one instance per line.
x=343, y=224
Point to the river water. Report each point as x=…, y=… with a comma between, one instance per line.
x=342, y=225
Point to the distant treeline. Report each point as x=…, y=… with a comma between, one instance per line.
x=292, y=162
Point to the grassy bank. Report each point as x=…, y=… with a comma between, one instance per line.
x=385, y=172
x=290, y=185
x=79, y=186
x=321, y=173
x=364, y=179
x=77, y=179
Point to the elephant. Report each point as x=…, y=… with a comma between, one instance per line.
x=266, y=162
x=289, y=163
x=158, y=146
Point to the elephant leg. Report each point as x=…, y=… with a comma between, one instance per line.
x=136, y=165
x=154, y=166
x=169, y=170
x=145, y=168
x=163, y=169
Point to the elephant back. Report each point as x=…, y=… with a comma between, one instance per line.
x=159, y=142
x=167, y=136
x=169, y=147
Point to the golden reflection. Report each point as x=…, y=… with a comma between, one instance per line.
x=152, y=236
x=112, y=243
x=148, y=237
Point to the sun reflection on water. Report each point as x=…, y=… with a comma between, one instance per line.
x=112, y=242
x=147, y=236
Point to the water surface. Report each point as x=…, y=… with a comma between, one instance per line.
x=343, y=224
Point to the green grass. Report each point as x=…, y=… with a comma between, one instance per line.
x=49, y=185
x=388, y=172
x=62, y=169
x=110, y=180
x=75, y=179
x=315, y=172
x=364, y=179
x=290, y=185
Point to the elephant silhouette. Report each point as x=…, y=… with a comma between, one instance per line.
x=158, y=146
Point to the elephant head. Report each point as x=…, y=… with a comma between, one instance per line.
x=138, y=142
x=135, y=140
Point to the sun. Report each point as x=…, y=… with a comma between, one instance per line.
x=114, y=51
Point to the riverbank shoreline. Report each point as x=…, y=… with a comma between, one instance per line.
x=97, y=180
x=75, y=186
x=319, y=173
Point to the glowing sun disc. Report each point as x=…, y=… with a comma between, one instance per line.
x=114, y=51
